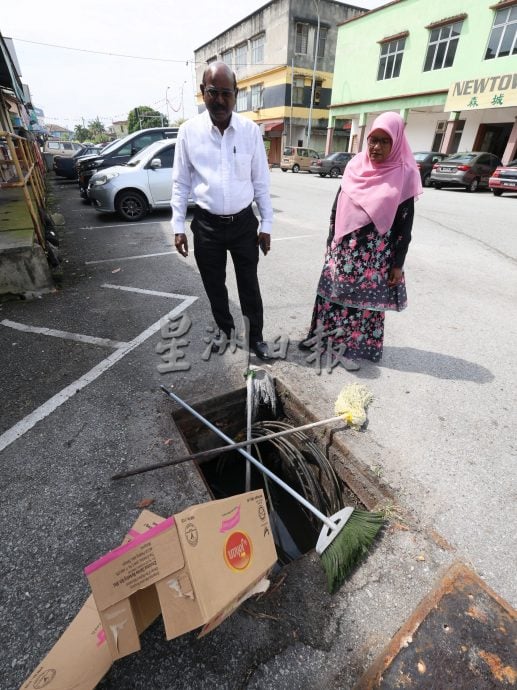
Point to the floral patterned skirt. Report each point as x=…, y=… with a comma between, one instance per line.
x=353, y=294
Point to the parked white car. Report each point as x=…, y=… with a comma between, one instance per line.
x=143, y=184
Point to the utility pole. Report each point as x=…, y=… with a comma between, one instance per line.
x=167, y=105
x=317, y=4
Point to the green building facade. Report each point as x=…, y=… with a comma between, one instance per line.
x=448, y=67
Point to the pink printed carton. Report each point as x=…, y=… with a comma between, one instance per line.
x=194, y=568
x=198, y=565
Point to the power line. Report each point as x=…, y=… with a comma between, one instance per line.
x=184, y=61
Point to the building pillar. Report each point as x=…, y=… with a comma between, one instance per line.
x=330, y=139
x=404, y=112
x=450, y=131
x=361, y=128
x=510, y=151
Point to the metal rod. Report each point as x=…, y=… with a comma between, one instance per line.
x=203, y=454
x=261, y=468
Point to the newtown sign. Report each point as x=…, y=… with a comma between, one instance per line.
x=483, y=92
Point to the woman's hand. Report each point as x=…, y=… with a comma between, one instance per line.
x=395, y=277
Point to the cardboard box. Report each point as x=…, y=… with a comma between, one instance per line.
x=194, y=568
x=200, y=565
x=81, y=657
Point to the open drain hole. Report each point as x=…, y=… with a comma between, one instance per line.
x=299, y=459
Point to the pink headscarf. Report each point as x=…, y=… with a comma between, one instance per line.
x=371, y=192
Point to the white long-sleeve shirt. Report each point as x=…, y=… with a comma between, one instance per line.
x=223, y=173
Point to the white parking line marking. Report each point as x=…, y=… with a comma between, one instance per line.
x=155, y=293
x=124, y=225
x=147, y=256
x=25, y=424
x=294, y=237
x=66, y=335
x=129, y=258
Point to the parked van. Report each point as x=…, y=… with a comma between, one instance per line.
x=61, y=148
x=119, y=152
x=298, y=158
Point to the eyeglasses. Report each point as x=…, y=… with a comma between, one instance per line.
x=373, y=141
x=214, y=93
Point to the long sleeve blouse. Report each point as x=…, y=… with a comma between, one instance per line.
x=400, y=230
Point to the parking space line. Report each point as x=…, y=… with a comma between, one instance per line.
x=148, y=256
x=154, y=293
x=128, y=258
x=123, y=225
x=66, y=335
x=293, y=237
x=25, y=424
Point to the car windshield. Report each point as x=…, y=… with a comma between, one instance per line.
x=288, y=151
x=512, y=164
x=421, y=156
x=460, y=158
x=332, y=156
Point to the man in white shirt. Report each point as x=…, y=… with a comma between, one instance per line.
x=220, y=161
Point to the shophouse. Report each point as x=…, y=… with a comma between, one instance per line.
x=283, y=57
x=449, y=68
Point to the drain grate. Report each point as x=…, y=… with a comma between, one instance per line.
x=301, y=461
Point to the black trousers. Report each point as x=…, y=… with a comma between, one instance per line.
x=213, y=238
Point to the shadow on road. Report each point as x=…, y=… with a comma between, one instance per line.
x=434, y=364
x=408, y=359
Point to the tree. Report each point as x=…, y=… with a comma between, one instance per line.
x=143, y=117
x=96, y=127
x=82, y=133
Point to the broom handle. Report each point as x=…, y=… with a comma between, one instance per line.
x=224, y=449
x=254, y=461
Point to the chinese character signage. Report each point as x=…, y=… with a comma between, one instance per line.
x=484, y=92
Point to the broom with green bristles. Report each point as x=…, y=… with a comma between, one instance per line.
x=347, y=534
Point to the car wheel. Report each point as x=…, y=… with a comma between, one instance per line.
x=497, y=192
x=296, y=168
x=323, y=174
x=284, y=169
x=426, y=182
x=473, y=186
x=131, y=205
x=334, y=172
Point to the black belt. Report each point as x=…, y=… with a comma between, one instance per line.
x=222, y=219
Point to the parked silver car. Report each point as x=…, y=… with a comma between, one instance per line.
x=471, y=169
x=142, y=184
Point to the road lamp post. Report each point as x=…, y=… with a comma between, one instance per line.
x=309, y=127
x=167, y=104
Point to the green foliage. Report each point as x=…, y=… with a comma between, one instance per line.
x=96, y=127
x=81, y=133
x=143, y=117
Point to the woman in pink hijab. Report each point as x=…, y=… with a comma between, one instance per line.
x=370, y=231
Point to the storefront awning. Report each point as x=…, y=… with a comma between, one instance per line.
x=273, y=126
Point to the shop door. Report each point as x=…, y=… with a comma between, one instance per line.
x=493, y=138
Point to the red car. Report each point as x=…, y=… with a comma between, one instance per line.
x=504, y=179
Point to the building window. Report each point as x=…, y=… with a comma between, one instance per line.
x=242, y=100
x=391, y=59
x=227, y=58
x=503, y=39
x=211, y=59
x=441, y=50
x=302, y=36
x=441, y=127
x=256, y=96
x=317, y=92
x=257, y=50
x=322, y=41
x=298, y=84
x=241, y=55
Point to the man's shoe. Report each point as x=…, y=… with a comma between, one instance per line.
x=304, y=345
x=261, y=350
